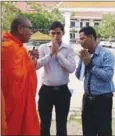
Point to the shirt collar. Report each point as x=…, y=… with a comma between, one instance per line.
x=97, y=50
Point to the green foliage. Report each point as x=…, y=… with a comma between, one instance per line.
x=107, y=28
x=9, y=11
x=41, y=18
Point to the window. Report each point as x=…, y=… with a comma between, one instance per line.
x=96, y=24
x=72, y=35
x=81, y=24
x=87, y=23
x=72, y=24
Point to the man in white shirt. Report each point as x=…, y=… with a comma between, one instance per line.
x=57, y=58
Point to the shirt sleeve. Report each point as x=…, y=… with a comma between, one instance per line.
x=67, y=62
x=105, y=72
x=77, y=73
x=43, y=59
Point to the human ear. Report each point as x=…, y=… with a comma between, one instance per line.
x=20, y=29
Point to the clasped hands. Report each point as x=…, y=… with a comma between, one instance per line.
x=54, y=49
x=85, y=56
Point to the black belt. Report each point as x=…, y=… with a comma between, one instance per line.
x=93, y=97
x=55, y=87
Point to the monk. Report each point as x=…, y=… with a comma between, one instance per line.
x=19, y=80
x=3, y=117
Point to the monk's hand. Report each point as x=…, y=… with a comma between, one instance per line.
x=85, y=56
x=34, y=62
x=34, y=54
x=54, y=48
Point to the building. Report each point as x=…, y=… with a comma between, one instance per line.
x=76, y=14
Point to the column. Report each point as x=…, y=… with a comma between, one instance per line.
x=84, y=23
x=79, y=20
x=66, y=37
x=91, y=22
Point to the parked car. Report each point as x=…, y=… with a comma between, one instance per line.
x=105, y=44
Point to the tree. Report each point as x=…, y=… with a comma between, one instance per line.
x=42, y=17
x=106, y=30
x=9, y=11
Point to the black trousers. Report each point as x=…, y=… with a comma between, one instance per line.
x=97, y=116
x=60, y=98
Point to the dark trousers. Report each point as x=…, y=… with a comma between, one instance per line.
x=97, y=116
x=60, y=98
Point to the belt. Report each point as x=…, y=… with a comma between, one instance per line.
x=55, y=87
x=93, y=97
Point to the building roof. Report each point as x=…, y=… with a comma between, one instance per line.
x=71, y=5
x=24, y=6
x=88, y=15
x=94, y=4
x=50, y=4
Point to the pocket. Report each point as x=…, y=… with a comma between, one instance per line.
x=41, y=90
x=83, y=102
x=70, y=94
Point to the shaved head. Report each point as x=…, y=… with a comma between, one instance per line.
x=18, y=20
x=21, y=27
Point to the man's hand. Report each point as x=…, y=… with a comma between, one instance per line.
x=85, y=57
x=54, y=48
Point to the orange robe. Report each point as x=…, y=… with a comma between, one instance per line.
x=4, y=125
x=19, y=83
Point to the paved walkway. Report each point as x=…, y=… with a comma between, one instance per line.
x=73, y=127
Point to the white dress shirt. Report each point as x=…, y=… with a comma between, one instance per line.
x=56, y=68
x=82, y=71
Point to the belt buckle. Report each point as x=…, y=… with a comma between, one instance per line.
x=91, y=97
x=56, y=88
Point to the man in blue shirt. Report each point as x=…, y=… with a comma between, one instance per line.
x=98, y=85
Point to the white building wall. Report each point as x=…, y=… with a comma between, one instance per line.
x=67, y=15
x=66, y=37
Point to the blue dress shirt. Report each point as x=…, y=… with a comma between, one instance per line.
x=102, y=72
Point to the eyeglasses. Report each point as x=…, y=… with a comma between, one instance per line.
x=29, y=27
x=56, y=33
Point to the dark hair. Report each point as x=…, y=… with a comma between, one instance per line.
x=18, y=20
x=89, y=31
x=55, y=25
